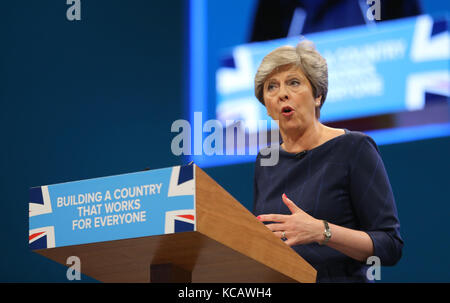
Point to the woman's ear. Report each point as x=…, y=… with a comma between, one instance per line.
x=318, y=100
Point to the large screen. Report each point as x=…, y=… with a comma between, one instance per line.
x=389, y=80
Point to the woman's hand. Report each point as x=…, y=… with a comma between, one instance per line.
x=301, y=228
x=298, y=228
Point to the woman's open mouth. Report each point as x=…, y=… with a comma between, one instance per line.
x=287, y=111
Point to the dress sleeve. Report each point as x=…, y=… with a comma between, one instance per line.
x=373, y=201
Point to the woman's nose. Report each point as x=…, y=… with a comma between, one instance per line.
x=282, y=93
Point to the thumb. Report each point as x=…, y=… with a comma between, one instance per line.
x=291, y=205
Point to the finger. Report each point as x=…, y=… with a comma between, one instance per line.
x=272, y=218
x=276, y=227
x=279, y=234
x=291, y=205
x=290, y=242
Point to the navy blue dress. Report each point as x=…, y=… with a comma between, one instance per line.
x=344, y=182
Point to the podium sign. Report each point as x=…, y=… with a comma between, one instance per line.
x=126, y=206
x=166, y=225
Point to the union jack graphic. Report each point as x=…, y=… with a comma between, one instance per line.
x=181, y=184
x=39, y=201
x=179, y=221
x=182, y=181
x=40, y=204
x=43, y=237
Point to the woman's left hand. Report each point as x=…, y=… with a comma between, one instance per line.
x=298, y=228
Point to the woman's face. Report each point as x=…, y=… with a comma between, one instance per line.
x=289, y=98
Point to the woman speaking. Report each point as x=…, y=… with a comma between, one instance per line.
x=328, y=196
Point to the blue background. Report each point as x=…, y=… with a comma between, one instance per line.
x=97, y=97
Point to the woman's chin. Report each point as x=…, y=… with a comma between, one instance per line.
x=289, y=126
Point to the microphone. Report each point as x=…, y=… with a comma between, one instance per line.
x=300, y=155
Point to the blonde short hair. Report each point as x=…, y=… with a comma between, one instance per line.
x=304, y=56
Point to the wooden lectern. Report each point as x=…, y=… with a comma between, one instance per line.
x=228, y=245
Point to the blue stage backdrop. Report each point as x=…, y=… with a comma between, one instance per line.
x=79, y=100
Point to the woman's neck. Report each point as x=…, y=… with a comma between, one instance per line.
x=298, y=140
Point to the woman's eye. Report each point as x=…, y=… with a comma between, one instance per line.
x=270, y=87
x=295, y=82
